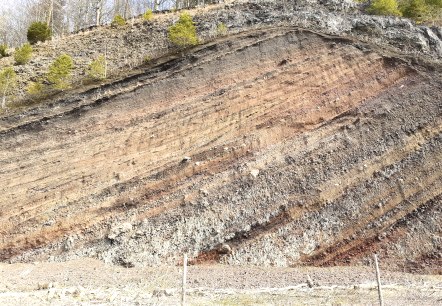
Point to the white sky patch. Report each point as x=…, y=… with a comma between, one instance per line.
x=5, y=5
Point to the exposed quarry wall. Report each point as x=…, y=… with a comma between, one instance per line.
x=290, y=146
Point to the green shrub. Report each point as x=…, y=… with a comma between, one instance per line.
x=435, y=11
x=8, y=82
x=415, y=9
x=35, y=88
x=148, y=16
x=118, y=21
x=3, y=50
x=60, y=70
x=147, y=59
x=221, y=29
x=23, y=55
x=38, y=31
x=435, y=3
x=183, y=33
x=384, y=7
x=97, y=68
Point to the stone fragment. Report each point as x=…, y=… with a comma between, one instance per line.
x=162, y=292
x=254, y=172
x=225, y=249
x=119, y=229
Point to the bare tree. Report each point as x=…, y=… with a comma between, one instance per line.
x=64, y=16
x=99, y=11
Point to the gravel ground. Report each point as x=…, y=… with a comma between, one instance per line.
x=90, y=282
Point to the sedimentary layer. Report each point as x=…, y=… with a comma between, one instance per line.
x=289, y=146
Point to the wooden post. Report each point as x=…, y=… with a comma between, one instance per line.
x=183, y=292
x=378, y=278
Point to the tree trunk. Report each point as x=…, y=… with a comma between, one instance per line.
x=51, y=11
x=126, y=9
x=98, y=10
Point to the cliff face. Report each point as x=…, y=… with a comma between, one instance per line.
x=290, y=146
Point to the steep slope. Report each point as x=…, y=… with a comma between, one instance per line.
x=291, y=146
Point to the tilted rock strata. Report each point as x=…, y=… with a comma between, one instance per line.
x=290, y=146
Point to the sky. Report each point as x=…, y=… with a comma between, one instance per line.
x=8, y=4
x=5, y=3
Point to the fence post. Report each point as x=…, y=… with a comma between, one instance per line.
x=378, y=278
x=183, y=292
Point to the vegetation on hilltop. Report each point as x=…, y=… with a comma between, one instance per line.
x=38, y=31
x=8, y=82
x=148, y=15
x=3, y=50
x=60, y=72
x=384, y=7
x=183, y=33
x=118, y=21
x=97, y=68
x=420, y=11
x=23, y=54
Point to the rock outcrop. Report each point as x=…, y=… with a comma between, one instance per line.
x=287, y=145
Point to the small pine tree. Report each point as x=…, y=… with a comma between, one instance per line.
x=148, y=15
x=38, y=31
x=3, y=50
x=23, y=55
x=183, y=33
x=8, y=82
x=35, y=89
x=118, y=21
x=60, y=72
x=384, y=7
x=97, y=68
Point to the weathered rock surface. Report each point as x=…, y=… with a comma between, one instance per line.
x=298, y=147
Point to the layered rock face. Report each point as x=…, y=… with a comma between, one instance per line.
x=277, y=146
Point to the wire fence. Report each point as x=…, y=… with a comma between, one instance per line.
x=80, y=283
x=362, y=285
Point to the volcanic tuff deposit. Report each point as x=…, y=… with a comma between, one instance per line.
x=274, y=145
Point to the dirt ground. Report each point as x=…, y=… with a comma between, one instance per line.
x=91, y=282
